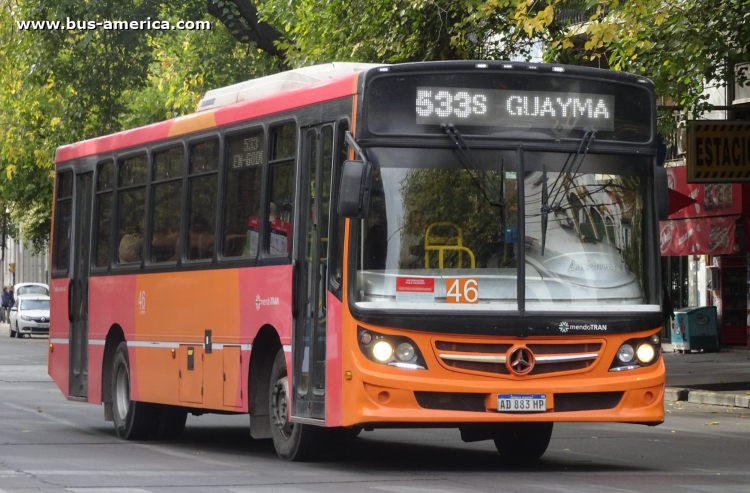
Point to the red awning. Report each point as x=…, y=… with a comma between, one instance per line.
x=678, y=201
x=699, y=236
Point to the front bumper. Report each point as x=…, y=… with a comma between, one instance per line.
x=25, y=327
x=379, y=395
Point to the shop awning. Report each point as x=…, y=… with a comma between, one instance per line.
x=699, y=236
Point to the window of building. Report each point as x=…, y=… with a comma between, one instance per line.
x=242, y=202
x=131, y=194
x=202, y=188
x=63, y=217
x=166, y=188
x=105, y=184
x=281, y=196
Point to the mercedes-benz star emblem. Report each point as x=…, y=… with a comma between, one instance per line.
x=521, y=361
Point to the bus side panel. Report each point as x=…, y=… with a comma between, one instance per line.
x=266, y=299
x=175, y=310
x=334, y=368
x=112, y=301
x=58, y=364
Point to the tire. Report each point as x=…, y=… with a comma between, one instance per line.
x=293, y=442
x=133, y=420
x=522, y=442
x=13, y=333
x=170, y=422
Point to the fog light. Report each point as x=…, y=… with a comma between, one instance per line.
x=382, y=351
x=625, y=353
x=365, y=337
x=646, y=353
x=405, y=351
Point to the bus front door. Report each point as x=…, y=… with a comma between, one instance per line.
x=79, y=287
x=309, y=338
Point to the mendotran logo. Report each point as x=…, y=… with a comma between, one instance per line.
x=565, y=327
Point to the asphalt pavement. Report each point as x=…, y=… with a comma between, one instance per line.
x=48, y=444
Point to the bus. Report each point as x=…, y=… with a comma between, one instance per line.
x=345, y=247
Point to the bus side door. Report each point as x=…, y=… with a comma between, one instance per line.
x=309, y=338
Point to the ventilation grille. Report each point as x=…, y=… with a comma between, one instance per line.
x=498, y=368
x=587, y=401
x=538, y=349
x=464, y=347
x=452, y=401
x=542, y=369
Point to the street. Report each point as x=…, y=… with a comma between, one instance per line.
x=49, y=444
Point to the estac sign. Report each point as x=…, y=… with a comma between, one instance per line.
x=718, y=151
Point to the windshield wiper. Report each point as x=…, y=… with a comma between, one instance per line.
x=586, y=140
x=469, y=162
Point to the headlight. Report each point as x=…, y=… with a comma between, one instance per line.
x=24, y=317
x=405, y=351
x=392, y=350
x=382, y=351
x=625, y=353
x=646, y=353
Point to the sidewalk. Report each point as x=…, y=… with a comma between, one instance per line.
x=721, y=378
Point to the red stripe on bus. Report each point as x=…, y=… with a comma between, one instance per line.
x=288, y=100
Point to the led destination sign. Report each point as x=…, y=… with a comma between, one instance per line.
x=511, y=108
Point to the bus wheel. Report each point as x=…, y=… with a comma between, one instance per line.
x=519, y=442
x=133, y=420
x=293, y=441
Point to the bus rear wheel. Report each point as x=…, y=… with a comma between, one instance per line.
x=133, y=420
x=293, y=441
x=519, y=442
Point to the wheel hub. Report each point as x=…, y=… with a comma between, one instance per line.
x=280, y=407
x=122, y=392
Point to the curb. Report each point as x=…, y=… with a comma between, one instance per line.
x=706, y=397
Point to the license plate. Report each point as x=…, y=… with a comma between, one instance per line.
x=522, y=402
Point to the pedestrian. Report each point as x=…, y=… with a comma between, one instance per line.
x=667, y=312
x=5, y=305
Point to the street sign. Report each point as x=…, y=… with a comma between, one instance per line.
x=718, y=151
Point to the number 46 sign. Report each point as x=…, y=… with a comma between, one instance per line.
x=462, y=290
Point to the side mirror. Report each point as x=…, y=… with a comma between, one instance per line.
x=662, y=192
x=354, y=194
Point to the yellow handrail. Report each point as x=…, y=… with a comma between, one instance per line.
x=441, y=244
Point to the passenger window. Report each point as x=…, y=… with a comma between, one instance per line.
x=202, y=188
x=105, y=183
x=131, y=192
x=63, y=217
x=242, y=211
x=167, y=200
x=281, y=198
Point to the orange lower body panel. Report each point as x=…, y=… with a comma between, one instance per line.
x=380, y=395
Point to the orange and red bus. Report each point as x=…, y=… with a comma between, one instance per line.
x=459, y=244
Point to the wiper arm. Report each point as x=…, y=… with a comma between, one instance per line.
x=586, y=140
x=469, y=162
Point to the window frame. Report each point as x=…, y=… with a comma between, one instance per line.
x=264, y=252
x=219, y=137
x=224, y=186
x=119, y=159
x=154, y=151
x=95, y=227
x=56, y=270
x=339, y=139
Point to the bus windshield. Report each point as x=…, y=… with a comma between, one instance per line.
x=433, y=239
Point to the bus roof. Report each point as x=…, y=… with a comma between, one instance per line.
x=316, y=91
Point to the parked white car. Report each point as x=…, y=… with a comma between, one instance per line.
x=30, y=315
x=25, y=288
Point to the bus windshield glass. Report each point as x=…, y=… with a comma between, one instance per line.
x=439, y=235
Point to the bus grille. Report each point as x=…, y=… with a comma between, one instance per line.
x=490, y=358
x=468, y=402
x=451, y=401
x=587, y=401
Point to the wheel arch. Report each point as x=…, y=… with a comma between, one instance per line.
x=115, y=336
x=265, y=346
